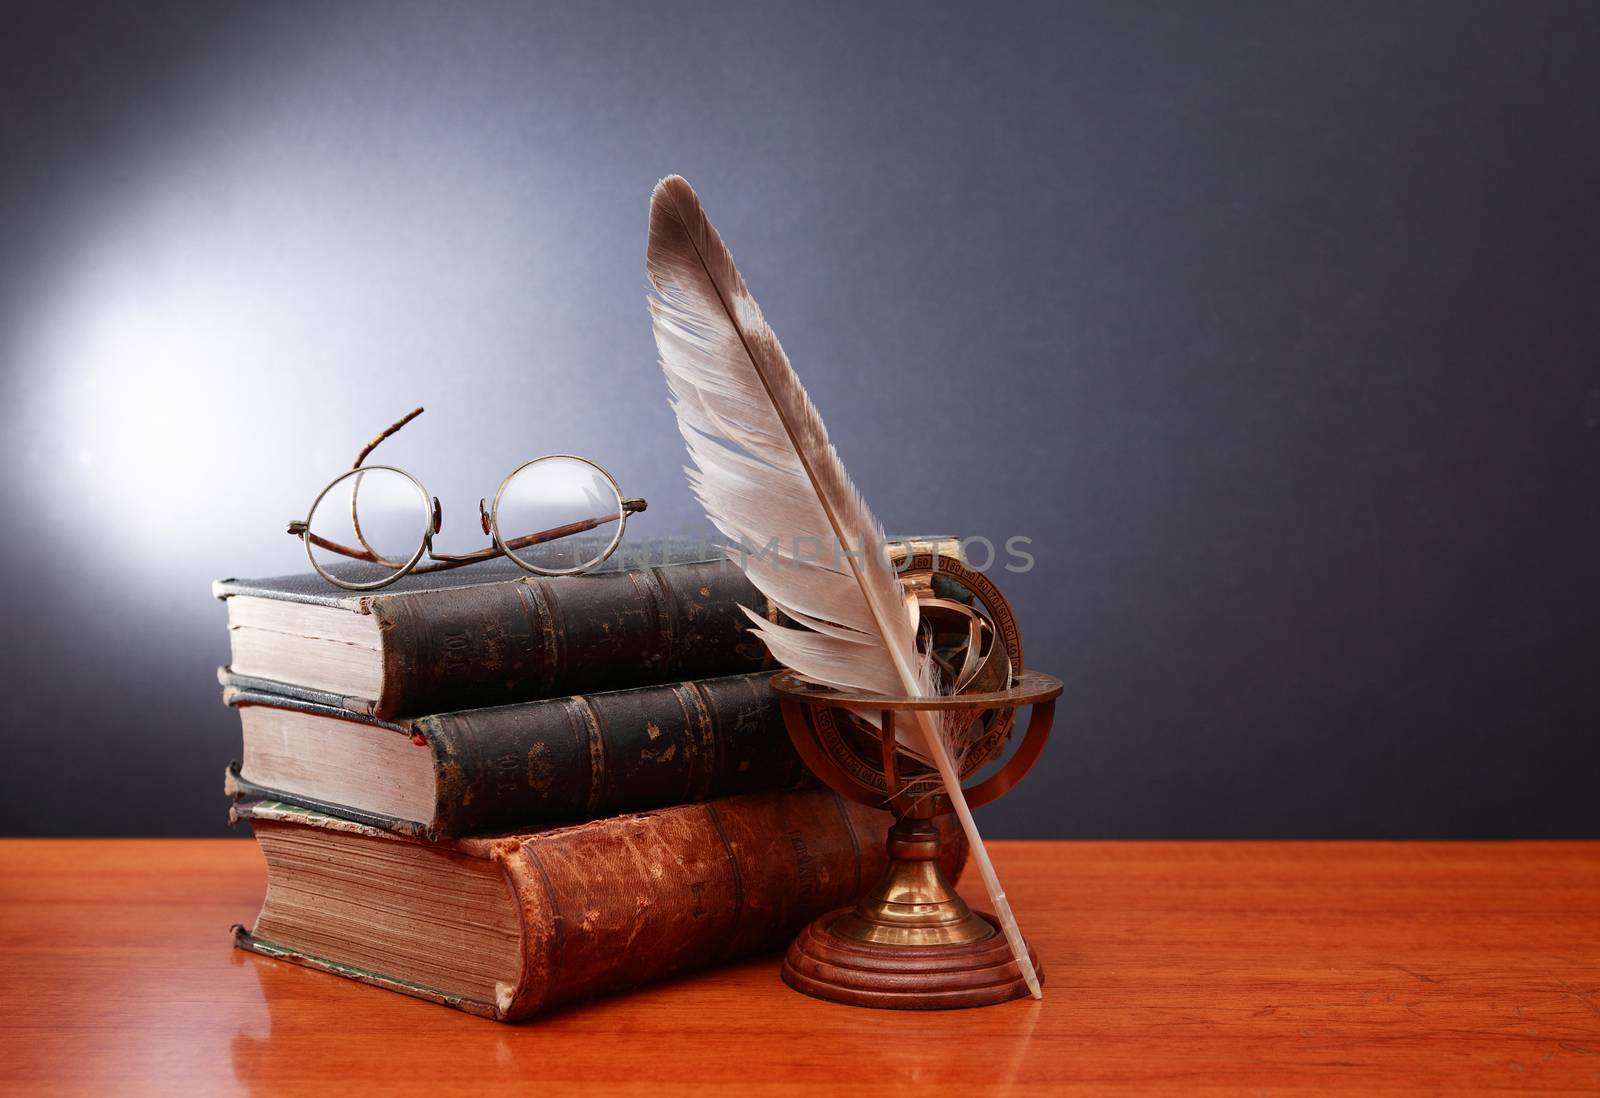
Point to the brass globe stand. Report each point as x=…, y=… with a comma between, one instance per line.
x=912, y=943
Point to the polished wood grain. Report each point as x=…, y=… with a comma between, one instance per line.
x=1183, y=967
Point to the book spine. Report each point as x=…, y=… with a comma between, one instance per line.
x=593, y=755
x=533, y=638
x=618, y=903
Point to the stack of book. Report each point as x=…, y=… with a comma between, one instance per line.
x=502, y=792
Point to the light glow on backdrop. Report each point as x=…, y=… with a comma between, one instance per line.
x=271, y=283
x=257, y=240
x=132, y=381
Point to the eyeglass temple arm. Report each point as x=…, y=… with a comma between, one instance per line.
x=355, y=517
x=446, y=561
x=631, y=506
x=299, y=529
x=385, y=433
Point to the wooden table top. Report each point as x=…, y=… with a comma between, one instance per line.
x=1184, y=967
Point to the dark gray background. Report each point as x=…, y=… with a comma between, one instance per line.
x=1273, y=325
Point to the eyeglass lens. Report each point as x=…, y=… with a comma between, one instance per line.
x=377, y=512
x=563, y=494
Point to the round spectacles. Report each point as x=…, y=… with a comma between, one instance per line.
x=557, y=515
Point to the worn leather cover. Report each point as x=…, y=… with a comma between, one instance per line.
x=342, y=706
x=492, y=634
x=309, y=587
x=538, y=637
x=615, y=903
x=576, y=757
x=451, y=647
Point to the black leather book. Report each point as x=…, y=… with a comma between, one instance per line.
x=490, y=634
x=658, y=612
x=513, y=766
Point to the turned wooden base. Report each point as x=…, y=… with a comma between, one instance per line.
x=941, y=977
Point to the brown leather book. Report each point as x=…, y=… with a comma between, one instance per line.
x=508, y=926
x=531, y=763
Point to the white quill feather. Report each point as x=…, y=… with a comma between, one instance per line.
x=767, y=475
